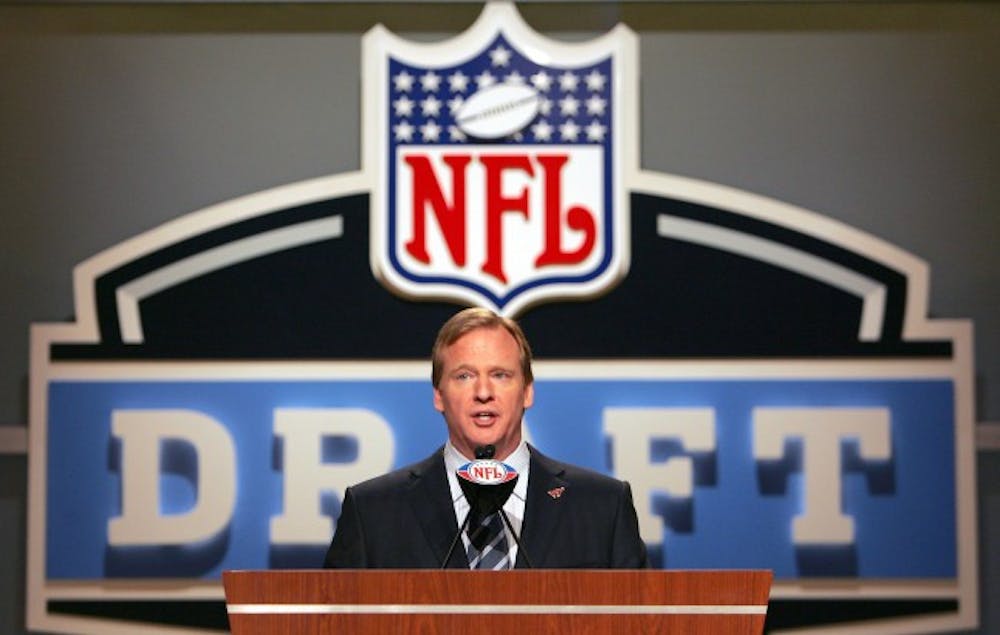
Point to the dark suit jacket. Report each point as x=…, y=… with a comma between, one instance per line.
x=573, y=518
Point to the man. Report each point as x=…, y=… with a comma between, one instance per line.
x=565, y=516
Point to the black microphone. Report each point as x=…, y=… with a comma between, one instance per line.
x=485, y=499
x=486, y=451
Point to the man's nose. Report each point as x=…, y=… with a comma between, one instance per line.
x=484, y=389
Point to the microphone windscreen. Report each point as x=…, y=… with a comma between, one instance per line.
x=486, y=451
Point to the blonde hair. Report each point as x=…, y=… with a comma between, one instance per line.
x=469, y=320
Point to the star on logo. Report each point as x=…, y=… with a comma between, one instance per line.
x=542, y=131
x=403, y=106
x=485, y=80
x=569, y=105
x=596, y=105
x=458, y=82
x=430, y=81
x=455, y=103
x=514, y=79
x=569, y=131
x=556, y=492
x=430, y=107
x=596, y=131
x=403, y=81
x=500, y=56
x=430, y=131
x=542, y=81
x=404, y=131
x=595, y=81
x=568, y=82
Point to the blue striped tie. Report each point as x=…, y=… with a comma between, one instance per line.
x=488, y=545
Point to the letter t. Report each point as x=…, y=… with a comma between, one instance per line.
x=821, y=431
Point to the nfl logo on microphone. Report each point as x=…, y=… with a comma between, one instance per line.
x=499, y=163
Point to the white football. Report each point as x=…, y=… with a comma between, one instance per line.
x=498, y=110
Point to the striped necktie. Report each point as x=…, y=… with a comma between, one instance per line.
x=488, y=545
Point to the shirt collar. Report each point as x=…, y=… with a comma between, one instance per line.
x=518, y=459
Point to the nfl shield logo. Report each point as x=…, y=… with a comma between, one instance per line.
x=500, y=158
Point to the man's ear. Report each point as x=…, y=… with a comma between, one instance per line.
x=438, y=401
x=529, y=395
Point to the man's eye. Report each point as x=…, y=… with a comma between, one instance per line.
x=463, y=376
x=501, y=374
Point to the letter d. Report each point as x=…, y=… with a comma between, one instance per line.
x=141, y=433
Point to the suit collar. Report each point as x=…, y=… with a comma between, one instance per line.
x=542, y=513
x=430, y=500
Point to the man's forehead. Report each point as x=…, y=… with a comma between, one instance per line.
x=507, y=342
x=479, y=330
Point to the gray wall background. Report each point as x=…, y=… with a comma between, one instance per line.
x=116, y=118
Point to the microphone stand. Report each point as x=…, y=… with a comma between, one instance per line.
x=454, y=543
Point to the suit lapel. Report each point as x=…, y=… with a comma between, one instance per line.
x=430, y=499
x=542, y=511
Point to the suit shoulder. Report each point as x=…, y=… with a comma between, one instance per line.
x=579, y=476
x=585, y=476
x=392, y=482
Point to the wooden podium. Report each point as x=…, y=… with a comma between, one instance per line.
x=530, y=601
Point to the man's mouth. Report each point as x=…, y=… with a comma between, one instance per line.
x=484, y=417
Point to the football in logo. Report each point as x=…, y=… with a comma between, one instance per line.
x=498, y=111
x=487, y=472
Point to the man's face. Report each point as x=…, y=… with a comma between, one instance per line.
x=482, y=392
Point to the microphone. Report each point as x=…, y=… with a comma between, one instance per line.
x=486, y=451
x=486, y=484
